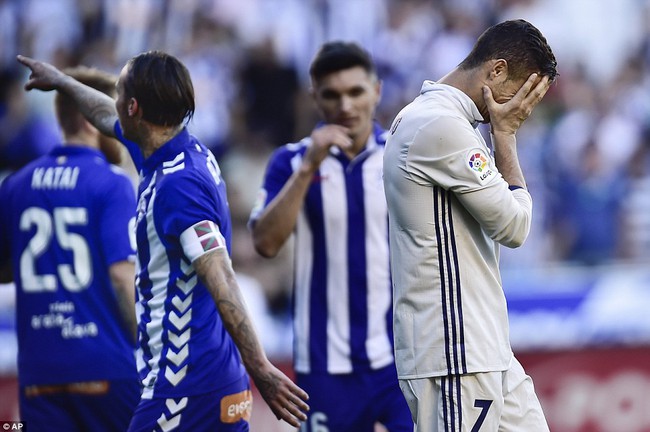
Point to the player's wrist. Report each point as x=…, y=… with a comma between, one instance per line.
x=307, y=169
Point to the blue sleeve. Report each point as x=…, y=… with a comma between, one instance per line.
x=188, y=197
x=134, y=150
x=117, y=220
x=278, y=172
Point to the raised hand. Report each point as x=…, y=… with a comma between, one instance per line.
x=507, y=117
x=97, y=107
x=44, y=76
x=323, y=138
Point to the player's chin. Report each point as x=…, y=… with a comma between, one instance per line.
x=349, y=123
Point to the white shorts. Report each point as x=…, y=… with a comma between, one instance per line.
x=492, y=401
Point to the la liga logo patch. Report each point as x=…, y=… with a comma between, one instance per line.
x=477, y=162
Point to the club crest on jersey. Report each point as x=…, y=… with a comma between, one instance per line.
x=479, y=163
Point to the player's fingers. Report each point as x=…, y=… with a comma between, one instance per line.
x=295, y=411
x=537, y=94
x=300, y=393
x=25, y=60
x=298, y=399
x=488, y=97
x=524, y=91
x=292, y=402
x=344, y=142
x=29, y=84
x=282, y=413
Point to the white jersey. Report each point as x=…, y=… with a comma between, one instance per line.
x=449, y=208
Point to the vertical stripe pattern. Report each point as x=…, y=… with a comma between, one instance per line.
x=452, y=407
x=303, y=258
x=342, y=295
x=336, y=229
x=157, y=266
x=449, y=283
x=379, y=299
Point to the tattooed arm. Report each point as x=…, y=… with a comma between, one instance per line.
x=97, y=107
x=286, y=399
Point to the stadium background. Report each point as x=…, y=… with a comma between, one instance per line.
x=578, y=290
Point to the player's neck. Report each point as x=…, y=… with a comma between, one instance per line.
x=155, y=136
x=359, y=144
x=81, y=140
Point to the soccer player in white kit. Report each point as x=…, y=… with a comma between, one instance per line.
x=452, y=202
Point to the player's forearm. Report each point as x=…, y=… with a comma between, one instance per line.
x=96, y=106
x=236, y=318
x=216, y=273
x=122, y=277
x=507, y=161
x=277, y=221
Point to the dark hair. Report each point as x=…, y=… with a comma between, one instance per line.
x=336, y=56
x=67, y=113
x=519, y=43
x=162, y=86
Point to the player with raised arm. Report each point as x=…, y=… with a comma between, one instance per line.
x=327, y=190
x=452, y=202
x=194, y=329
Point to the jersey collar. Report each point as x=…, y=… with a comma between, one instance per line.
x=167, y=151
x=69, y=150
x=463, y=102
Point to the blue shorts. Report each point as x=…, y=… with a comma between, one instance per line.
x=102, y=406
x=227, y=409
x=355, y=402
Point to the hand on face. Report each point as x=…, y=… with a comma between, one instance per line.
x=323, y=138
x=507, y=117
x=44, y=76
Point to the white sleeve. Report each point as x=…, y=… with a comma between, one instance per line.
x=448, y=153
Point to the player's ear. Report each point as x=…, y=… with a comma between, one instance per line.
x=378, y=89
x=499, y=70
x=133, y=107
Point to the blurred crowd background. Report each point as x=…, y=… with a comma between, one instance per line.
x=585, y=151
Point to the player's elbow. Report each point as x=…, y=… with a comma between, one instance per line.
x=513, y=242
x=264, y=245
x=266, y=250
x=514, y=234
x=122, y=275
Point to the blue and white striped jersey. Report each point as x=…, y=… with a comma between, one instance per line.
x=184, y=348
x=342, y=295
x=64, y=220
